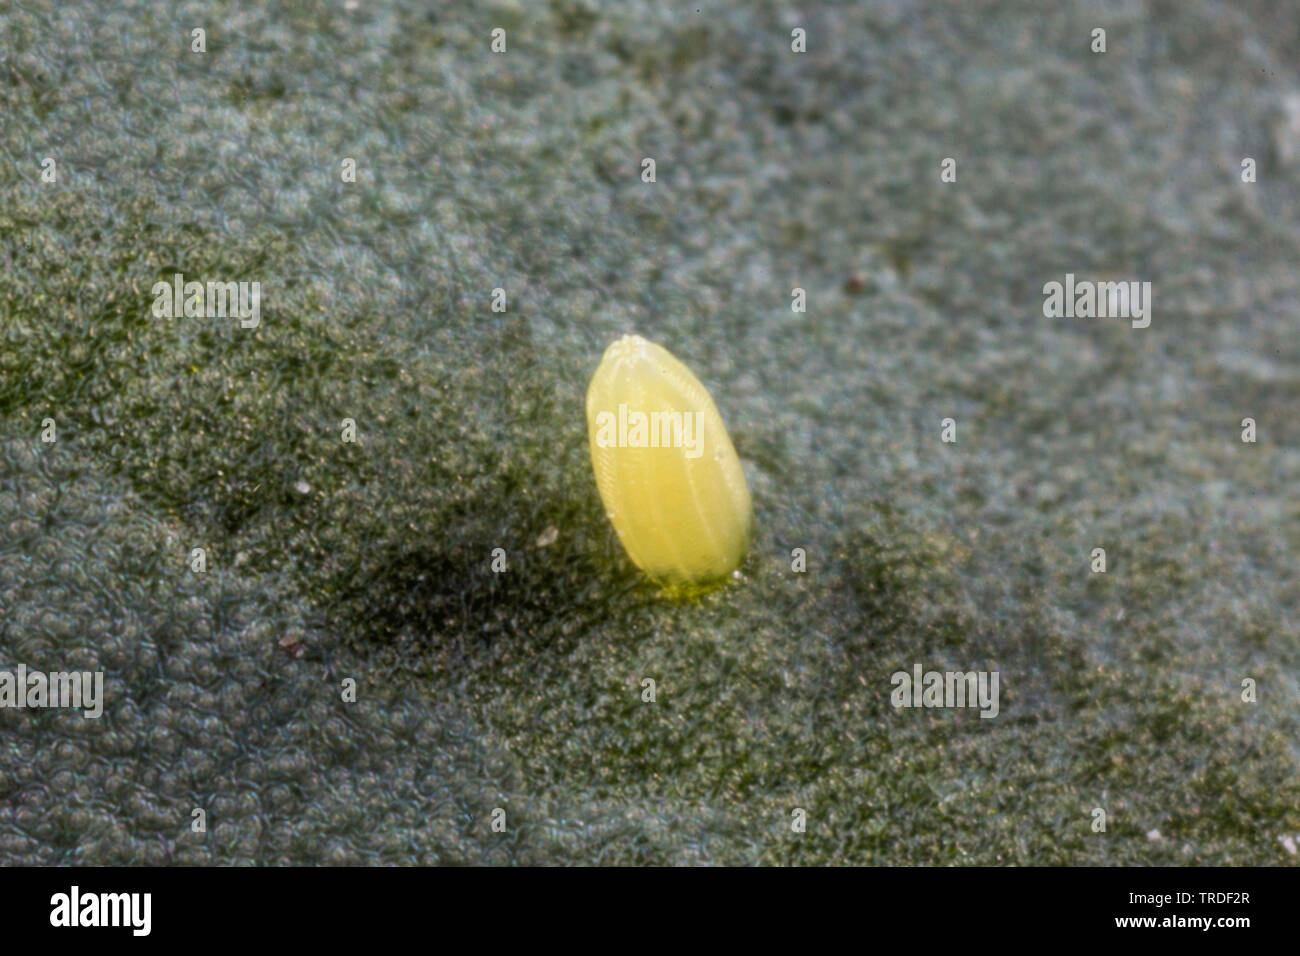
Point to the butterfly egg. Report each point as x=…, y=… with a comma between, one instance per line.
x=667, y=472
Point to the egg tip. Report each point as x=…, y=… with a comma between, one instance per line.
x=626, y=346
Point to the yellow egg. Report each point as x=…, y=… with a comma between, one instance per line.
x=667, y=472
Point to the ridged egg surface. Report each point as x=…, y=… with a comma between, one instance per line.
x=673, y=489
